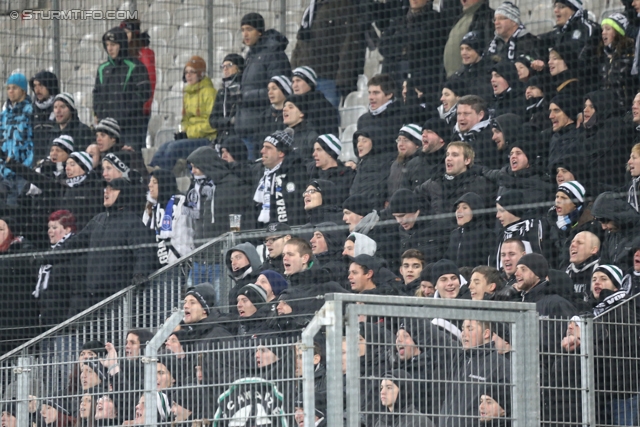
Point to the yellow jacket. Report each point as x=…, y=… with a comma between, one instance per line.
x=197, y=104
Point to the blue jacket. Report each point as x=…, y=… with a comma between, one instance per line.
x=17, y=135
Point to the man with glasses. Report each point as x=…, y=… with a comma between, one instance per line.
x=273, y=245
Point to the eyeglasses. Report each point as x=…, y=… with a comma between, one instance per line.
x=226, y=66
x=191, y=72
x=310, y=192
x=271, y=240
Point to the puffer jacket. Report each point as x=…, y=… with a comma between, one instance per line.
x=212, y=219
x=614, y=69
x=121, y=88
x=531, y=181
x=197, y=103
x=17, y=135
x=466, y=242
x=264, y=60
x=82, y=134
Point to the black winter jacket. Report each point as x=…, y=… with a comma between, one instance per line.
x=429, y=237
x=122, y=87
x=423, y=168
x=397, y=172
x=265, y=59
x=467, y=244
x=476, y=78
x=82, y=134
x=531, y=181
x=479, y=137
x=563, y=143
x=372, y=175
x=341, y=176
x=304, y=137
x=388, y=122
x=615, y=73
x=225, y=107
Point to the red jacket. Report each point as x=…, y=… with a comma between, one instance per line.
x=148, y=58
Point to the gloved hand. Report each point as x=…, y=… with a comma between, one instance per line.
x=179, y=135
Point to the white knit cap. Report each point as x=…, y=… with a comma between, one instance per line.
x=307, y=74
x=413, y=132
x=83, y=159
x=65, y=142
x=574, y=190
x=332, y=142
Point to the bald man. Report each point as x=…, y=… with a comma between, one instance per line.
x=584, y=255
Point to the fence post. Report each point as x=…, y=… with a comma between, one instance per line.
x=210, y=57
x=334, y=364
x=587, y=376
x=353, y=370
x=126, y=312
x=150, y=360
x=23, y=374
x=55, y=5
x=283, y=16
x=526, y=372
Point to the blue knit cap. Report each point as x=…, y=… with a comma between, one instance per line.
x=19, y=80
x=276, y=280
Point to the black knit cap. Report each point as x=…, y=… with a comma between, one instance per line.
x=512, y=198
x=329, y=191
x=456, y=85
x=569, y=104
x=254, y=20
x=236, y=148
x=442, y=267
x=96, y=346
x=404, y=201
x=507, y=70
x=205, y=293
x=439, y=127
x=369, y=262
x=536, y=263
x=303, y=102
x=235, y=59
x=569, y=51
x=473, y=40
x=94, y=364
x=358, y=204
x=255, y=294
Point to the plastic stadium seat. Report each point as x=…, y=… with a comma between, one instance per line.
x=92, y=40
x=177, y=89
x=171, y=105
x=230, y=21
x=187, y=41
x=156, y=123
x=363, y=81
x=182, y=59
x=168, y=5
x=31, y=47
x=186, y=14
x=173, y=75
x=223, y=38
x=30, y=32
x=85, y=115
x=355, y=99
x=349, y=116
x=80, y=84
x=347, y=134
x=347, y=144
x=183, y=183
x=539, y=27
x=608, y=11
x=260, y=6
x=90, y=55
x=156, y=16
x=192, y=29
x=164, y=135
x=166, y=32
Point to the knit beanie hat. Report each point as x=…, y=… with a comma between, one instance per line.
x=574, y=190
x=276, y=280
x=328, y=190
x=439, y=127
x=94, y=364
x=67, y=98
x=96, y=346
x=235, y=59
x=254, y=20
x=109, y=126
x=234, y=145
x=83, y=159
x=48, y=80
x=524, y=60
x=368, y=261
x=618, y=22
x=308, y=75
x=535, y=81
x=404, y=201
x=19, y=80
x=510, y=199
x=197, y=63
x=254, y=293
x=283, y=83
x=358, y=204
x=65, y=142
x=474, y=41
x=537, y=264
x=281, y=139
x=442, y=267
x=508, y=71
x=569, y=52
x=455, y=85
x=573, y=4
x=613, y=272
x=331, y=144
x=570, y=105
x=303, y=102
x=509, y=11
x=205, y=293
x=278, y=226
x=413, y=132
x=117, y=163
x=425, y=274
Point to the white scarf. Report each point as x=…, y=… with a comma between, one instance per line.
x=263, y=193
x=75, y=181
x=380, y=109
x=448, y=116
x=45, y=270
x=511, y=51
x=633, y=194
x=203, y=187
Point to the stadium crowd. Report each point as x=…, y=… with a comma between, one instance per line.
x=474, y=123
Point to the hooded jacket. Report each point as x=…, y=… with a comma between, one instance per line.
x=561, y=239
x=429, y=237
x=479, y=137
x=616, y=247
x=423, y=167
x=512, y=99
x=212, y=217
x=476, y=79
x=325, y=118
x=614, y=70
x=304, y=137
x=122, y=87
x=197, y=103
x=110, y=270
x=466, y=242
x=82, y=134
x=405, y=413
x=332, y=260
x=387, y=123
x=265, y=59
x=607, y=141
x=397, y=172
x=43, y=118
x=564, y=142
x=510, y=125
x=342, y=177
x=243, y=276
x=17, y=135
x=331, y=208
x=373, y=168
x=531, y=181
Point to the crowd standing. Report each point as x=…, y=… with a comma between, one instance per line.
x=541, y=131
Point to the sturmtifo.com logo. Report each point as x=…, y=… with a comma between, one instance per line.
x=73, y=14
